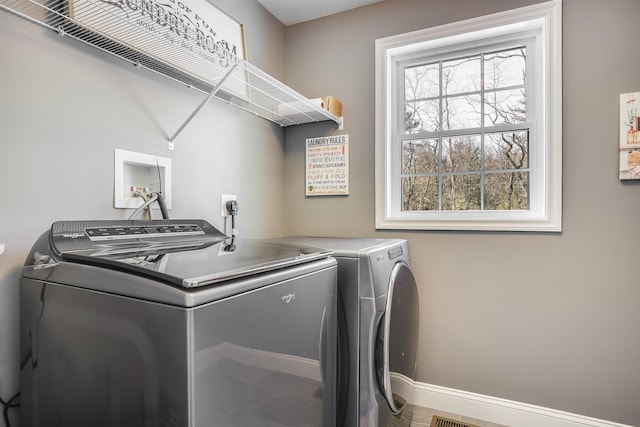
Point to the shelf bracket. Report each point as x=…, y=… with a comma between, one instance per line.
x=202, y=104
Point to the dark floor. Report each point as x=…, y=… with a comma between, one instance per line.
x=256, y=397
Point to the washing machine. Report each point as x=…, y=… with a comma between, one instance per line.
x=378, y=324
x=169, y=323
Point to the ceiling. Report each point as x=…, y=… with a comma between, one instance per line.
x=291, y=12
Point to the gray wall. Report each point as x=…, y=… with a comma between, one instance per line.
x=550, y=320
x=546, y=319
x=64, y=107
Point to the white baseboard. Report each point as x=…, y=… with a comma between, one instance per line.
x=500, y=411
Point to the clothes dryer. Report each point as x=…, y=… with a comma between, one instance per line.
x=165, y=323
x=378, y=323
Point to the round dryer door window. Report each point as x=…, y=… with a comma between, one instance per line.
x=397, y=349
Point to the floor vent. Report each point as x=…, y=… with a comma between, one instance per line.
x=438, y=421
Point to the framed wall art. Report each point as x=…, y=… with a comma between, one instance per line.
x=629, y=139
x=192, y=36
x=327, y=166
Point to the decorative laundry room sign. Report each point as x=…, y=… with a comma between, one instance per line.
x=629, y=140
x=327, y=166
x=191, y=35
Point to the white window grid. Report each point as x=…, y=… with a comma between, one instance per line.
x=540, y=24
x=481, y=131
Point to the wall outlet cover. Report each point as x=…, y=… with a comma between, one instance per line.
x=224, y=198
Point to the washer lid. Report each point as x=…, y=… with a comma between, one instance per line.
x=185, y=253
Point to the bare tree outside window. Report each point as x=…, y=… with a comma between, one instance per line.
x=466, y=144
x=468, y=129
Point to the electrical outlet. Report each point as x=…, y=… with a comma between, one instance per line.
x=224, y=198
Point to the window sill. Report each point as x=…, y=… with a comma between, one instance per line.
x=467, y=223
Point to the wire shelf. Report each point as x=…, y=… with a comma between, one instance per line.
x=99, y=24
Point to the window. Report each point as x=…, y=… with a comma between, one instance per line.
x=468, y=126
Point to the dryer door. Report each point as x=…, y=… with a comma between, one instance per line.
x=397, y=342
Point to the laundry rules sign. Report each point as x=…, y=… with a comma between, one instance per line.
x=327, y=160
x=191, y=35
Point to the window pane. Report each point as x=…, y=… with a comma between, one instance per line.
x=504, y=106
x=508, y=150
x=481, y=94
x=422, y=82
x=461, y=153
x=461, y=75
x=506, y=191
x=420, y=193
x=421, y=116
x=420, y=156
x=461, y=112
x=461, y=192
x=504, y=69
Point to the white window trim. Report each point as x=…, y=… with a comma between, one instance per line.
x=546, y=219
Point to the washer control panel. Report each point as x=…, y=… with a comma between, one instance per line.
x=127, y=232
x=105, y=238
